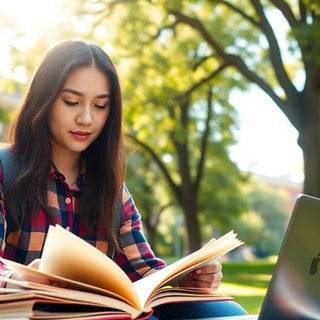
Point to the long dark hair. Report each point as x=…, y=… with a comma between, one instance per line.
x=104, y=159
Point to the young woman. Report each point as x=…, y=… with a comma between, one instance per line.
x=67, y=145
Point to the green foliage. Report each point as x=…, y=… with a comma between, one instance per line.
x=308, y=37
x=221, y=199
x=262, y=227
x=313, y=5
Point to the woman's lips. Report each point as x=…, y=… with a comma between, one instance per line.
x=79, y=135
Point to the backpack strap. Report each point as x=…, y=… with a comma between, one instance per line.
x=8, y=167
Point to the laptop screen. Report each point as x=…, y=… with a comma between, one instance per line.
x=294, y=290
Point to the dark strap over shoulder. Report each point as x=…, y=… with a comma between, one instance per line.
x=8, y=167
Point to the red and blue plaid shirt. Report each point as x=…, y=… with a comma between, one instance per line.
x=25, y=244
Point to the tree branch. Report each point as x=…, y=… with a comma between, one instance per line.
x=204, y=143
x=182, y=146
x=156, y=35
x=160, y=164
x=106, y=11
x=285, y=9
x=239, y=11
x=155, y=218
x=275, y=54
x=303, y=11
x=201, y=82
x=108, y=6
x=231, y=59
x=202, y=60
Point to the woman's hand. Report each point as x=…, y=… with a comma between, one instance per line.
x=32, y=278
x=27, y=277
x=208, y=277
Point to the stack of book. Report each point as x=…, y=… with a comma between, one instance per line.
x=92, y=286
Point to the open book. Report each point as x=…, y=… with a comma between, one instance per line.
x=97, y=288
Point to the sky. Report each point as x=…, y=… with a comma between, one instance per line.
x=267, y=142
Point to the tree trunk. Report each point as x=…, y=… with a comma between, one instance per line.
x=309, y=142
x=151, y=232
x=192, y=222
x=311, y=155
x=309, y=131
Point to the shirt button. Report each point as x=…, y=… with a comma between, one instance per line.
x=67, y=200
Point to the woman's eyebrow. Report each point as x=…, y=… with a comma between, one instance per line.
x=80, y=94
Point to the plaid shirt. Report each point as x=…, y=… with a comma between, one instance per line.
x=25, y=244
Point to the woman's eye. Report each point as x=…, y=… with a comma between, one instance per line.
x=70, y=103
x=99, y=106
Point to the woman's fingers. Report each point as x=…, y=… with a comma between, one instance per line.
x=209, y=276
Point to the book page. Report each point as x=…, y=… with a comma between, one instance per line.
x=213, y=250
x=169, y=295
x=31, y=307
x=68, y=282
x=68, y=256
x=31, y=290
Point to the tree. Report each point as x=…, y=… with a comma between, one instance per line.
x=300, y=106
x=143, y=182
x=174, y=112
x=242, y=36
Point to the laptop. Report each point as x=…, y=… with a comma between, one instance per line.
x=294, y=290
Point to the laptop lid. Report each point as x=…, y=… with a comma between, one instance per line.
x=294, y=290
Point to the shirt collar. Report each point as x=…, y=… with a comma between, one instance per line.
x=56, y=174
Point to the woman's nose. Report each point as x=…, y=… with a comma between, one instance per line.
x=85, y=117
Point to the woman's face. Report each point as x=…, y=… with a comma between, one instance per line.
x=80, y=112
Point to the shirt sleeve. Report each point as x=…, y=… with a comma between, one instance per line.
x=137, y=258
x=3, y=224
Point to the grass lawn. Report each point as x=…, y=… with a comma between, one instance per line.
x=247, y=282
